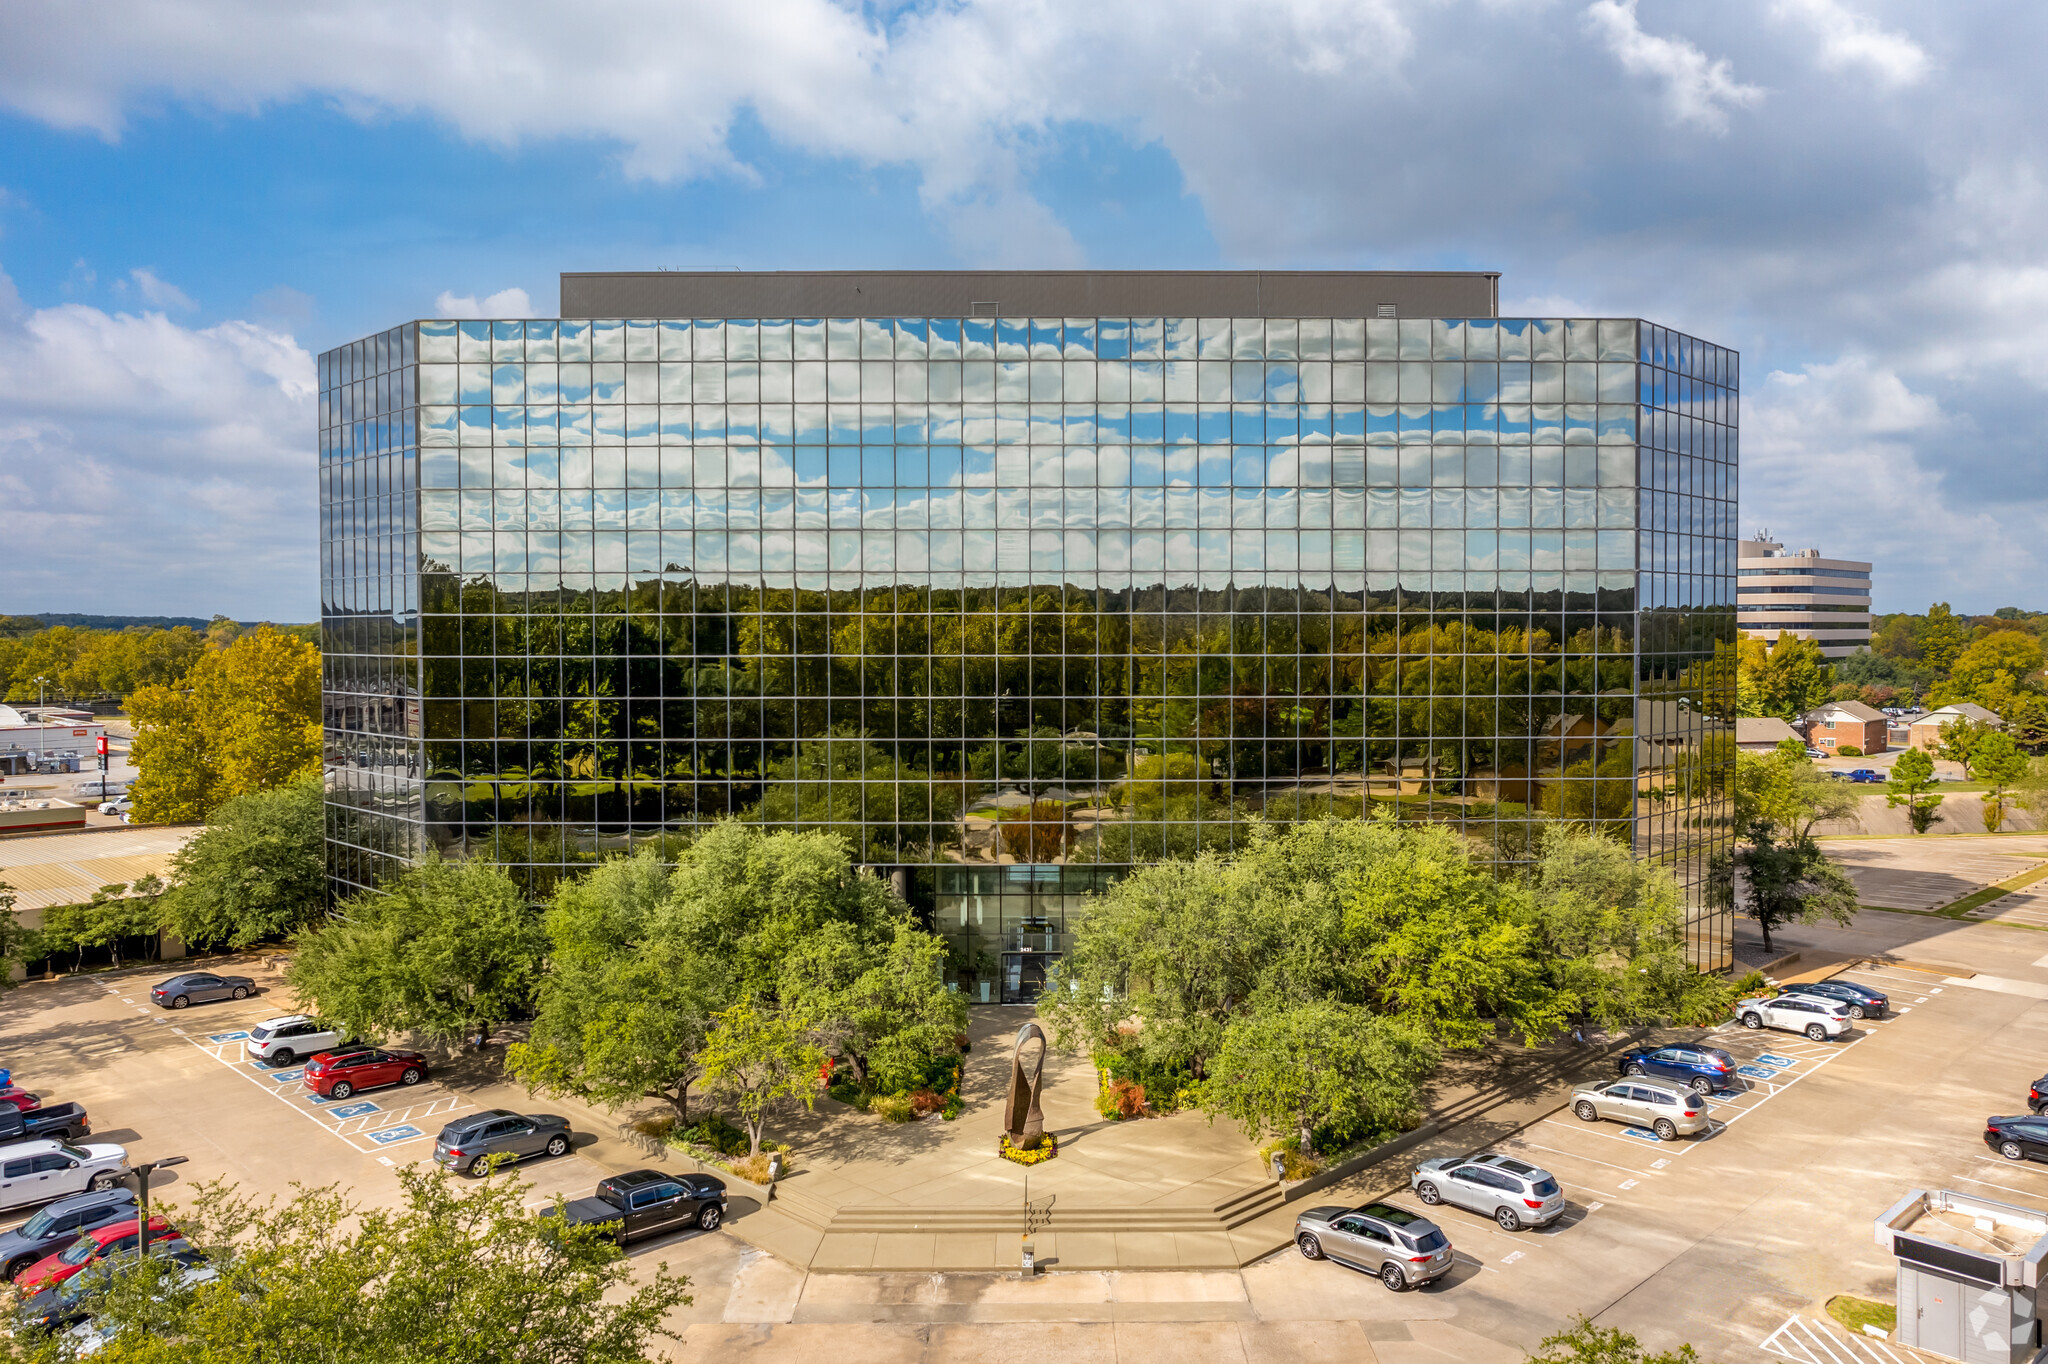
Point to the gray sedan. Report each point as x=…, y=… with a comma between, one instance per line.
x=473, y=1139
x=1511, y=1192
x=197, y=987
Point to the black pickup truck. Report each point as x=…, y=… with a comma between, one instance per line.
x=650, y=1202
x=65, y=1121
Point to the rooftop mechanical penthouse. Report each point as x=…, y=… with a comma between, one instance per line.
x=1015, y=580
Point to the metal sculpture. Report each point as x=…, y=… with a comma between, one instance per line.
x=1023, y=1119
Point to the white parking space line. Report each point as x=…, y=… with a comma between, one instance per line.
x=369, y=1128
x=1523, y=1143
x=1809, y=1342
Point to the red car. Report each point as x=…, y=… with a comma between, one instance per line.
x=19, y=1097
x=338, y=1074
x=89, y=1247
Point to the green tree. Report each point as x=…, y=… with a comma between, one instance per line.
x=1942, y=637
x=256, y=871
x=245, y=718
x=459, y=1274
x=18, y=945
x=1960, y=737
x=745, y=900
x=754, y=1057
x=622, y=1010
x=1584, y=1343
x=1786, y=788
x=1325, y=1066
x=1789, y=879
x=449, y=949
x=1785, y=679
x=888, y=1012
x=1999, y=764
x=118, y=911
x=1912, y=784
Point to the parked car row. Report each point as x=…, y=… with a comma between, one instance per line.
x=1662, y=1090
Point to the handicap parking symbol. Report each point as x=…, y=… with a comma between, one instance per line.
x=391, y=1134
x=353, y=1110
x=1756, y=1072
x=287, y=1076
x=227, y=1037
x=1771, y=1059
x=1727, y=1093
x=1641, y=1134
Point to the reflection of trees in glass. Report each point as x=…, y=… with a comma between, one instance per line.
x=852, y=786
x=1038, y=833
x=672, y=702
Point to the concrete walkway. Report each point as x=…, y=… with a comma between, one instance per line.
x=1172, y=1193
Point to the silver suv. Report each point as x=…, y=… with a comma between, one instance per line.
x=1403, y=1248
x=1671, y=1111
x=1511, y=1192
x=1819, y=1019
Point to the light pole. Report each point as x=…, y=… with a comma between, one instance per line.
x=141, y=1175
x=42, y=691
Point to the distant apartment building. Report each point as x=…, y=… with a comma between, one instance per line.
x=1801, y=594
x=1846, y=724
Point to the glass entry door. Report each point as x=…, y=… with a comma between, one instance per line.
x=1024, y=975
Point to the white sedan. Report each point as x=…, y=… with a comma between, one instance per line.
x=38, y=1171
x=1819, y=1019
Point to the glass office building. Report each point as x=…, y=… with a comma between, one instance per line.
x=1015, y=601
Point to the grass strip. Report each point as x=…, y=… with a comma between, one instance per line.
x=1857, y=1313
x=1997, y=890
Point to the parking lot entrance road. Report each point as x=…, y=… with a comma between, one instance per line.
x=376, y=1121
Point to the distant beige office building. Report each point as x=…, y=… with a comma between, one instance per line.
x=1802, y=594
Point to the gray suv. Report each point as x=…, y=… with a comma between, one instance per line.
x=470, y=1141
x=1403, y=1248
x=1511, y=1192
x=1669, y=1110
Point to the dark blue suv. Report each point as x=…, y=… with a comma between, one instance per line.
x=1863, y=1001
x=1703, y=1069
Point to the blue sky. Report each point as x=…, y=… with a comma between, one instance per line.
x=198, y=195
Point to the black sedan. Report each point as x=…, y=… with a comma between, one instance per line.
x=1703, y=1069
x=1863, y=1001
x=197, y=987
x=2018, y=1138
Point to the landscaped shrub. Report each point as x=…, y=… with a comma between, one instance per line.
x=1293, y=1164
x=893, y=1107
x=923, y=1102
x=1848, y=751
x=715, y=1133
x=1121, y=1100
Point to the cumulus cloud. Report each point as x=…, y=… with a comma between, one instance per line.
x=1876, y=215
x=1853, y=42
x=1697, y=89
x=504, y=303
x=155, y=292
x=137, y=450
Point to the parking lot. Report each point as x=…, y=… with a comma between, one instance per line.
x=1732, y=1240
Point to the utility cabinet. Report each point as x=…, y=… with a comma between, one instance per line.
x=1969, y=1275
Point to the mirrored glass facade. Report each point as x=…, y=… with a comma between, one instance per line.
x=1013, y=603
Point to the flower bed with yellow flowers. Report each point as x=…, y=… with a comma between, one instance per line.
x=1037, y=1155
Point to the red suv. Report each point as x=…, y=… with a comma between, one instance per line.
x=90, y=1247
x=338, y=1074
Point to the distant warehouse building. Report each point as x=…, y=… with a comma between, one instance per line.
x=1803, y=595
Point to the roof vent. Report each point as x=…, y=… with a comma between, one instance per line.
x=990, y=309
x=1389, y=310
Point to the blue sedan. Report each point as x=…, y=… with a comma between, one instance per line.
x=1863, y=1001
x=1704, y=1069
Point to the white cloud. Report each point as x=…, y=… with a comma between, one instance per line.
x=504, y=303
x=155, y=292
x=135, y=451
x=1849, y=40
x=1697, y=89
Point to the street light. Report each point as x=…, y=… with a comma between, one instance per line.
x=141, y=1174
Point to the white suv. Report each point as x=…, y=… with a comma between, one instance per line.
x=1819, y=1019
x=281, y=1041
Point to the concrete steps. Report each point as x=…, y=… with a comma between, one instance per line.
x=1243, y=1205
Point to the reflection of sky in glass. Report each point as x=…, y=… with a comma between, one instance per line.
x=1412, y=475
